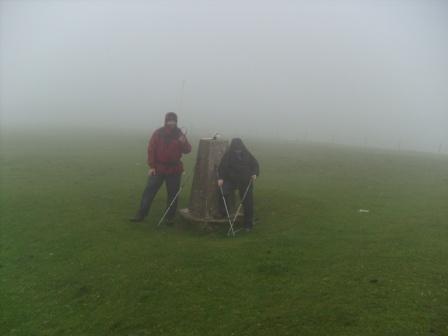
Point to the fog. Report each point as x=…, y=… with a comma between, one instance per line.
x=370, y=73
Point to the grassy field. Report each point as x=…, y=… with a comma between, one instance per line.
x=72, y=264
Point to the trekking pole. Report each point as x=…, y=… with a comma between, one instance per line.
x=227, y=209
x=241, y=203
x=228, y=214
x=174, y=199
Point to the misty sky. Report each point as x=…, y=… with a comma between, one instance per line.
x=355, y=71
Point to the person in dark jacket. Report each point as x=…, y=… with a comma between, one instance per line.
x=237, y=169
x=165, y=149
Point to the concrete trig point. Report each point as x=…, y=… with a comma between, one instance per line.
x=204, y=207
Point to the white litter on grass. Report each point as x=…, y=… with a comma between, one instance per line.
x=363, y=210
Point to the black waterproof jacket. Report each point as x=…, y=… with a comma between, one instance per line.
x=238, y=166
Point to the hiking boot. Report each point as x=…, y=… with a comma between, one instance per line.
x=137, y=218
x=170, y=222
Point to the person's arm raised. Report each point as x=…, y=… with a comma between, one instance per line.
x=185, y=145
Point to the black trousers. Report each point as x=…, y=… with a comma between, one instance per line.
x=153, y=185
x=248, y=204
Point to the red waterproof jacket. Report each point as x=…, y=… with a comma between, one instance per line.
x=165, y=151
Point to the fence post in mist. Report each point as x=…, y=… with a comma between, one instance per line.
x=181, y=97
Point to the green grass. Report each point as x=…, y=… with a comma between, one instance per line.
x=71, y=263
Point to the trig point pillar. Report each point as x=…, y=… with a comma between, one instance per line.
x=203, y=206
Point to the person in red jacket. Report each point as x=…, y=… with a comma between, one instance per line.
x=165, y=149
